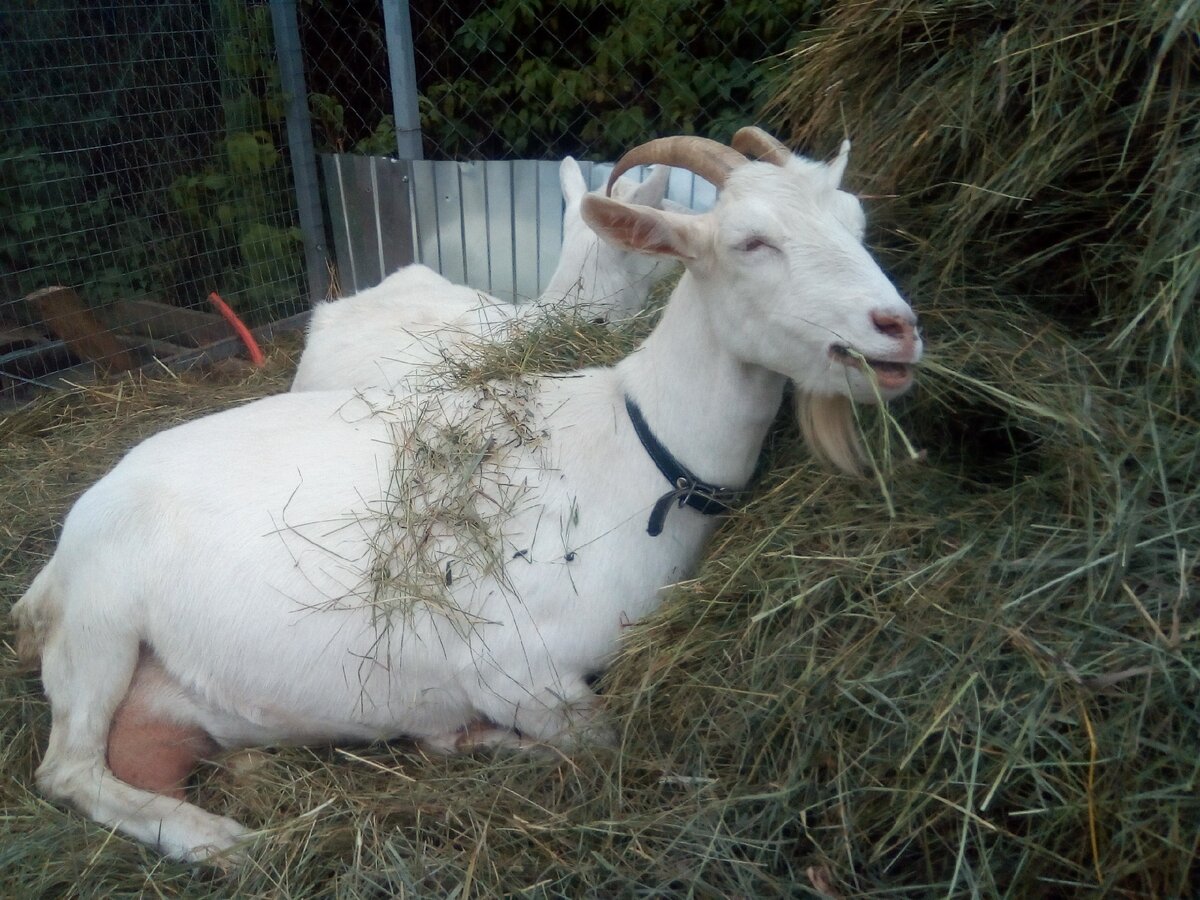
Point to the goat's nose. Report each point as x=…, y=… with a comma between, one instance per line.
x=901, y=327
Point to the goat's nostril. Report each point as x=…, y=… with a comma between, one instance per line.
x=898, y=327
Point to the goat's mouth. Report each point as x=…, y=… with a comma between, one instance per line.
x=890, y=374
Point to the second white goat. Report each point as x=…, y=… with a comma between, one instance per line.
x=408, y=323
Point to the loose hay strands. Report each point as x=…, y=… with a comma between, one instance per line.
x=1009, y=720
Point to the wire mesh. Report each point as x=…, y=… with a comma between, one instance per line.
x=142, y=166
x=143, y=158
x=504, y=79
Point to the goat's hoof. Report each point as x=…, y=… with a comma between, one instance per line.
x=215, y=841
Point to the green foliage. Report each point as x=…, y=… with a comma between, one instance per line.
x=531, y=77
x=122, y=176
x=329, y=123
x=231, y=208
x=58, y=226
x=328, y=119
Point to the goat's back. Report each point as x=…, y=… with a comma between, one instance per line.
x=395, y=333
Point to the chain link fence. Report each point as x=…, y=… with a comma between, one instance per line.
x=142, y=166
x=149, y=153
x=538, y=79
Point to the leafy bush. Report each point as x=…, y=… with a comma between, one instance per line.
x=58, y=226
x=239, y=236
x=531, y=77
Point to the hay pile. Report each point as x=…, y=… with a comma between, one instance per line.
x=983, y=679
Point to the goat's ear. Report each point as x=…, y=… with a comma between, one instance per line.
x=837, y=168
x=570, y=176
x=642, y=228
x=652, y=191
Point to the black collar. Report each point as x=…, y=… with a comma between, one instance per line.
x=689, y=490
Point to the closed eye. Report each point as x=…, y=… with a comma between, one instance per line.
x=755, y=243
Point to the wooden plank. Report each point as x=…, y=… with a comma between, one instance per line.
x=16, y=387
x=13, y=336
x=65, y=314
x=148, y=348
x=164, y=322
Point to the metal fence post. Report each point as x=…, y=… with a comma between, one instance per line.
x=300, y=146
x=401, y=61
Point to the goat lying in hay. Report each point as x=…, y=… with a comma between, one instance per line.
x=452, y=565
x=407, y=323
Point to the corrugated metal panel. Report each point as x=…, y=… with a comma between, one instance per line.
x=473, y=199
x=425, y=213
x=524, y=225
x=358, y=185
x=549, y=224
x=450, y=222
x=496, y=226
x=500, y=229
x=392, y=177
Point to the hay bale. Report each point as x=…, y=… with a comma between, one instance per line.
x=1006, y=671
x=1033, y=150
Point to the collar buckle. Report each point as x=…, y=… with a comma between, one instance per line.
x=707, y=499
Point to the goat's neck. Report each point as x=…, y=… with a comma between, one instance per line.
x=709, y=409
x=568, y=288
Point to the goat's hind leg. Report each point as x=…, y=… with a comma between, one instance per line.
x=87, y=671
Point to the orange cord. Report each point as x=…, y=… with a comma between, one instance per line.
x=256, y=354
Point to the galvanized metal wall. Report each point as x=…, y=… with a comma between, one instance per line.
x=494, y=225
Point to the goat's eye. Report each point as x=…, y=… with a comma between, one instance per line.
x=750, y=244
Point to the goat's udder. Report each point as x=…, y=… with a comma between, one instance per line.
x=148, y=750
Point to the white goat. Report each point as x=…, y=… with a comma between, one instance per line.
x=346, y=566
x=413, y=318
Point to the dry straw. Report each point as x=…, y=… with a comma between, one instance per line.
x=982, y=680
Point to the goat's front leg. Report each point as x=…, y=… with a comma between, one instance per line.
x=574, y=720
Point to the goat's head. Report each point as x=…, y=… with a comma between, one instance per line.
x=615, y=279
x=780, y=266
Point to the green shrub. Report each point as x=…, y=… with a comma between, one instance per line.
x=58, y=226
x=531, y=77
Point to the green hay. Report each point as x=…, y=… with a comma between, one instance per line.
x=954, y=698
x=982, y=681
x=1046, y=150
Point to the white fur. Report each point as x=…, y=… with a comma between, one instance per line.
x=238, y=549
x=406, y=324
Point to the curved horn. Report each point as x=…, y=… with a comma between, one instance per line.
x=707, y=158
x=757, y=144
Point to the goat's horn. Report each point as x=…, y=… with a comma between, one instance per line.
x=757, y=144
x=709, y=159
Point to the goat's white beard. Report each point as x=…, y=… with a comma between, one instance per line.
x=827, y=424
